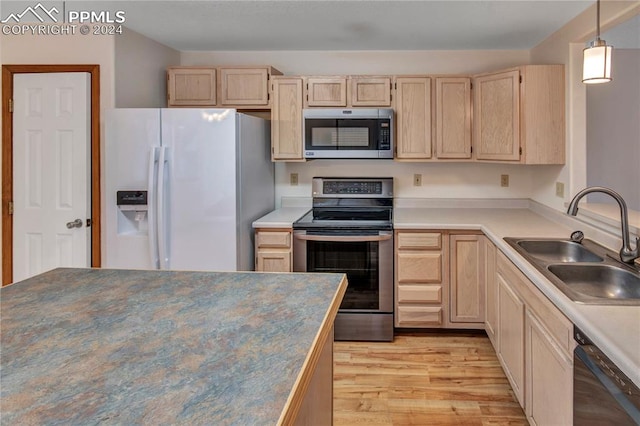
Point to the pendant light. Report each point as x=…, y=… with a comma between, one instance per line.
x=596, y=64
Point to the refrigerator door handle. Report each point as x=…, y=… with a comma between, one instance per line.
x=162, y=213
x=152, y=184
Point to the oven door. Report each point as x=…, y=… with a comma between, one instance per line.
x=366, y=256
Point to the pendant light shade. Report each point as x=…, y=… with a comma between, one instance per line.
x=596, y=59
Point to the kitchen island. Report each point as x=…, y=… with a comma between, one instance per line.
x=88, y=346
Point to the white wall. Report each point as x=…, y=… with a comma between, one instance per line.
x=366, y=62
x=450, y=180
x=565, y=47
x=613, y=131
x=67, y=49
x=140, y=80
x=141, y=71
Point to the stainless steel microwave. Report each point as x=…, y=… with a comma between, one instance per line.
x=348, y=133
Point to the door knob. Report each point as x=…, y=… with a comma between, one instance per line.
x=75, y=224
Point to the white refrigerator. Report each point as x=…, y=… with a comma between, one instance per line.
x=182, y=187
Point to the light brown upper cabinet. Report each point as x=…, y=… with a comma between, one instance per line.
x=244, y=87
x=191, y=86
x=370, y=91
x=519, y=115
x=326, y=91
x=286, y=119
x=413, y=118
x=453, y=117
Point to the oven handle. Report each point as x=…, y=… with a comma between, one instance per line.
x=343, y=238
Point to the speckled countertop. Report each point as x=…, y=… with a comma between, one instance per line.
x=89, y=346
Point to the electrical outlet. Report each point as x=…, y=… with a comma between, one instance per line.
x=504, y=180
x=560, y=189
x=293, y=179
x=417, y=179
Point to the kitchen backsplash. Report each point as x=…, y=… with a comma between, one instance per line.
x=449, y=180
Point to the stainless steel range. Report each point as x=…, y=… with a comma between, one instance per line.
x=350, y=230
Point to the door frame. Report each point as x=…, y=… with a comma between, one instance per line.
x=8, y=72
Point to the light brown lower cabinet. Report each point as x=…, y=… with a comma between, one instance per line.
x=534, y=345
x=420, y=279
x=491, y=292
x=548, y=377
x=511, y=330
x=273, y=250
x=440, y=279
x=467, y=276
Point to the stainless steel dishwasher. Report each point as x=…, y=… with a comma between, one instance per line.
x=602, y=394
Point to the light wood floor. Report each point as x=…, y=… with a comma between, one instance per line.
x=422, y=379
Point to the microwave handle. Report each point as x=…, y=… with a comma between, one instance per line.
x=343, y=238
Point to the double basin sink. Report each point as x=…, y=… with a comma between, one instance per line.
x=585, y=272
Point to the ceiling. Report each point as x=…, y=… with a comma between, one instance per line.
x=339, y=25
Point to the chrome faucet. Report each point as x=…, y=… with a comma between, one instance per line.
x=627, y=254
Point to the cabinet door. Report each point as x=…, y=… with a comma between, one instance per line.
x=273, y=261
x=511, y=330
x=549, y=377
x=326, y=91
x=413, y=117
x=370, y=91
x=497, y=116
x=491, y=285
x=191, y=86
x=286, y=119
x=453, y=117
x=542, y=114
x=244, y=86
x=467, y=278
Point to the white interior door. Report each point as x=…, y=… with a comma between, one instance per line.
x=51, y=172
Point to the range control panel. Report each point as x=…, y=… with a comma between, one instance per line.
x=352, y=187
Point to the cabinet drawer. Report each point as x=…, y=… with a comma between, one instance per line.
x=419, y=267
x=430, y=293
x=275, y=239
x=419, y=240
x=419, y=315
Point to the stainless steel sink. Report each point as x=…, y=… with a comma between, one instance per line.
x=603, y=281
x=585, y=272
x=558, y=251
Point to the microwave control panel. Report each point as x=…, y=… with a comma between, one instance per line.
x=384, y=141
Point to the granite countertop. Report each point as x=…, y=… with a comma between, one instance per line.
x=615, y=329
x=88, y=346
